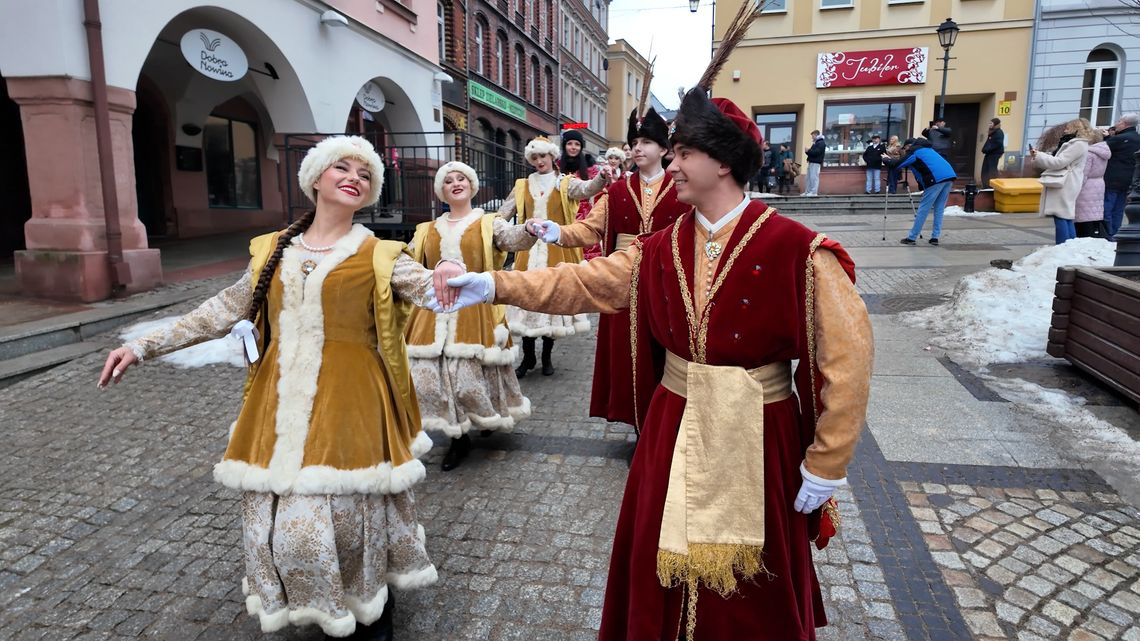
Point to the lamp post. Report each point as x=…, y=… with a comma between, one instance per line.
x=1128, y=238
x=947, y=35
x=693, y=6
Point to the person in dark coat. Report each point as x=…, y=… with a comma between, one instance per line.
x=935, y=176
x=873, y=161
x=780, y=161
x=815, y=155
x=939, y=136
x=992, y=151
x=1118, y=176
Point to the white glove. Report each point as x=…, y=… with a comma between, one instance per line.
x=815, y=491
x=475, y=288
x=246, y=333
x=551, y=232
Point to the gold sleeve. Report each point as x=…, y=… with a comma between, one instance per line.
x=601, y=285
x=844, y=353
x=589, y=230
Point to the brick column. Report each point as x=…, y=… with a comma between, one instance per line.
x=66, y=255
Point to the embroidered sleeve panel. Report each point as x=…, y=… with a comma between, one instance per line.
x=601, y=285
x=410, y=280
x=590, y=230
x=579, y=189
x=212, y=319
x=844, y=352
x=507, y=209
x=510, y=237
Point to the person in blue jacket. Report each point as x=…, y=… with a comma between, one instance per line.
x=935, y=175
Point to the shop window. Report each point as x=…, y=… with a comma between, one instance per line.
x=775, y=6
x=849, y=125
x=836, y=4
x=233, y=177
x=1098, y=93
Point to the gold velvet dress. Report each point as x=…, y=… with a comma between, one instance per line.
x=324, y=456
x=462, y=362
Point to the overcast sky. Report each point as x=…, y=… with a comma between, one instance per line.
x=680, y=40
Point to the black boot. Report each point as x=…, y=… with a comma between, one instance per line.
x=528, y=361
x=547, y=347
x=460, y=448
x=380, y=629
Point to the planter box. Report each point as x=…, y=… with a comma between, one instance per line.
x=1096, y=324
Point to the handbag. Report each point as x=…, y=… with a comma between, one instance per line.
x=1054, y=178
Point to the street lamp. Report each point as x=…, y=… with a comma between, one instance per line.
x=947, y=35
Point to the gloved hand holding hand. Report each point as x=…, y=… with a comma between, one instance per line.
x=551, y=232
x=814, y=491
x=474, y=288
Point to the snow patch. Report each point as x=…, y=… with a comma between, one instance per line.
x=1001, y=315
x=956, y=210
x=220, y=351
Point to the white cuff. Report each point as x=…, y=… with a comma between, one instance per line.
x=490, y=287
x=821, y=481
x=136, y=349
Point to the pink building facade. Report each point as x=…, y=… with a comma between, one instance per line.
x=196, y=148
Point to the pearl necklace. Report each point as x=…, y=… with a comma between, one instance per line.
x=301, y=238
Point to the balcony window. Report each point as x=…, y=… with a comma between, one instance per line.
x=1098, y=92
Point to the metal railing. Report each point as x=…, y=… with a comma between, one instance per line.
x=410, y=163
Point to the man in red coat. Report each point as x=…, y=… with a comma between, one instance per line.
x=737, y=454
x=644, y=202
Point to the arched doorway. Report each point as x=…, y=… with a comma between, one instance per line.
x=151, y=141
x=17, y=207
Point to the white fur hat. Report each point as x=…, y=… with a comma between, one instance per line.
x=322, y=156
x=462, y=168
x=542, y=145
x=615, y=152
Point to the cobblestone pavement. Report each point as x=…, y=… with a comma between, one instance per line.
x=112, y=528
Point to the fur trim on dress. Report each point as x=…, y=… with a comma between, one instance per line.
x=365, y=612
x=418, y=578
x=326, y=152
x=446, y=325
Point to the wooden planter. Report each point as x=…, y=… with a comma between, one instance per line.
x=1096, y=324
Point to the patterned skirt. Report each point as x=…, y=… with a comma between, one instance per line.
x=456, y=393
x=329, y=559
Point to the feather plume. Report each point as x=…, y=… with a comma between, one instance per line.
x=736, y=31
x=643, y=101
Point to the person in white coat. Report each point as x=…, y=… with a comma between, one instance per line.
x=1063, y=176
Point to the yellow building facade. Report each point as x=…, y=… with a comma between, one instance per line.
x=856, y=68
x=627, y=74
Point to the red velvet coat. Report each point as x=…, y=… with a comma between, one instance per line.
x=611, y=397
x=758, y=317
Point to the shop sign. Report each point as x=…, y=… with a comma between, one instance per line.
x=575, y=125
x=214, y=55
x=371, y=98
x=495, y=100
x=869, y=68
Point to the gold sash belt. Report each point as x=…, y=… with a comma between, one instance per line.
x=624, y=241
x=712, y=527
x=775, y=378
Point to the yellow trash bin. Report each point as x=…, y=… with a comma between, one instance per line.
x=1016, y=195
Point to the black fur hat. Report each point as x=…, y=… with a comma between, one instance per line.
x=720, y=129
x=651, y=126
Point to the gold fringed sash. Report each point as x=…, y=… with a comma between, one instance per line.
x=718, y=466
x=624, y=241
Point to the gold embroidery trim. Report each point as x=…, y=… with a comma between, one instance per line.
x=646, y=220
x=633, y=282
x=809, y=313
x=699, y=330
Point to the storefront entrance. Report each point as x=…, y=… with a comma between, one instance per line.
x=962, y=118
x=17, y=207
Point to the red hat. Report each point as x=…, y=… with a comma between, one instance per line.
x=720, y=129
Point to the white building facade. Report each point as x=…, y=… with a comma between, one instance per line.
x=1086, y=63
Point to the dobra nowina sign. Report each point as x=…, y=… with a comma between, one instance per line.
x=214, y=55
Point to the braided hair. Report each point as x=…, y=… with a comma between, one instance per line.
x=261, y=291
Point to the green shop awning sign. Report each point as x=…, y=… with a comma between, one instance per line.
x=495, y=100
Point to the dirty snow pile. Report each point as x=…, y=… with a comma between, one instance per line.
x=1003, y=316
x=956, y=210
x=223, y=350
